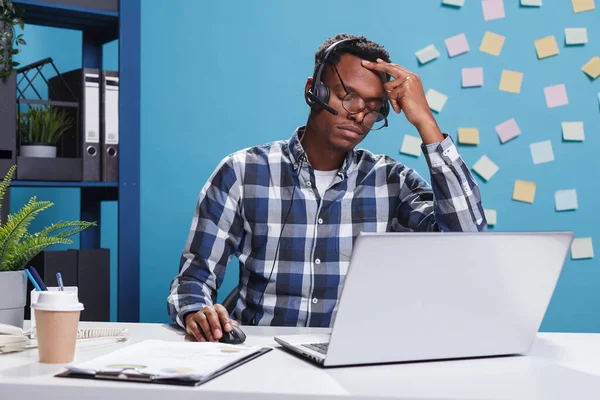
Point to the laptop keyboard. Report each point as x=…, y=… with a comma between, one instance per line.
x=318, y=347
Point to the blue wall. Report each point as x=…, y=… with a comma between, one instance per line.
x=231, y=75
x=64, y=46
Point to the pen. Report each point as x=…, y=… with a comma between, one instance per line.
x=60, y=282
x=37, y=278
x=33, y=282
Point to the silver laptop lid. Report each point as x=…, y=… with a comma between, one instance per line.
x=423, y=296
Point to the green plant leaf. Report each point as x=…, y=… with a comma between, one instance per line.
x=15, y=64
x=68, y=228
x=29, y=248
x=16, y=226
x=5, y=184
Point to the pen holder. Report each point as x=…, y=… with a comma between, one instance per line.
x=34, y=294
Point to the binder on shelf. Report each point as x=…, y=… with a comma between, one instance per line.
x=93, y=282
x=109, y=125
x=82, y=140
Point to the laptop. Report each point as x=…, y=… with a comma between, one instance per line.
x=437, y=296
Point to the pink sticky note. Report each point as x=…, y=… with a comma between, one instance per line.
x=472, y=77
x=493, y=9
x=556, y=95
x=508, y=130
x=457, y=45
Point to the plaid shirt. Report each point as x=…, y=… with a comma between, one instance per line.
x=243, y=205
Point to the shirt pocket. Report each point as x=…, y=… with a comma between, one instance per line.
x=356, y=218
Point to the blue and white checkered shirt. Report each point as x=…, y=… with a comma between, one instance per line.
x=242, y=207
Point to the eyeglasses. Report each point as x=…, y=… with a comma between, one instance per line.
x=354, y=104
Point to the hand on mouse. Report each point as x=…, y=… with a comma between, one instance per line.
x=206, y=324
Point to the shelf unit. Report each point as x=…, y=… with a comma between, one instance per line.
x=102, y=21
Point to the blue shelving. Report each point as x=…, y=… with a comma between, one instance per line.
x=64, y=184
x=98, y=18
x=102, y=21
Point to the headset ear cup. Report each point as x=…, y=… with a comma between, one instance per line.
x=322, y=92
x=386, y=108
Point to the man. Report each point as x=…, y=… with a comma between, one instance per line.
x=290, y=210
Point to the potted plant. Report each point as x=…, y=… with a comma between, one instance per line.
x=40, y=129
x=18, y=247
x=9, y=43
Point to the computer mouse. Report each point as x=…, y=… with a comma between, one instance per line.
x=235, y=336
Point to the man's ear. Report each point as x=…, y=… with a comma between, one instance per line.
x=306, y=87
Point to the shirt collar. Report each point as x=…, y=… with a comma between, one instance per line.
x=297, y=152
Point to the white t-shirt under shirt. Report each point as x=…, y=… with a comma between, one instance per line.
x=324, y=179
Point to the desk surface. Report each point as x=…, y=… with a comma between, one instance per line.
x=559, y=366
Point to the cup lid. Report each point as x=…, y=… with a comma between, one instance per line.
x=57, y=301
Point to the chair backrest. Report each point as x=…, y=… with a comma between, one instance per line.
x=230, y=300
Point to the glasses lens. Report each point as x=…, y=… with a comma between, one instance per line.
x=353, y=103
x=374, y=120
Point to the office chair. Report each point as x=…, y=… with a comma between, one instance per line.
x=230, y=300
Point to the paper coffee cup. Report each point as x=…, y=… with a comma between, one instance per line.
x=57, y=319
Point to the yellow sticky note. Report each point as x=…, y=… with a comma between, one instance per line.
x=546, y=47
x=583, y=5
x=524, y=191
x=592, y=67
x=511, y=81
x=468, y=135
x=492, y=43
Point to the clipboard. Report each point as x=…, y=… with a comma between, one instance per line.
x=147, y=378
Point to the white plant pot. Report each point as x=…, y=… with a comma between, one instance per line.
x=13, y=296
x=40, y=151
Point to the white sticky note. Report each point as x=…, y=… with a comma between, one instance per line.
x=436, y=100
x=531, y=3
x=573, y=131
x=427, y=54
x=485, y=168
x=541, y=152
x=565, y=199
x=411, y=145
x=456, y=3
x=576, y=36
x=491, y=216
x=582, y=248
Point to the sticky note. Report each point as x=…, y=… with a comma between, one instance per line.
x=492, y=43
x=531, y=3
x=583, y=5
x=411, y=145
x=427, y=54
x=573, y=131
x=492, y=9
x=582, y=248
x=472, y=77
x=524, y=191
x=592, y=67
x=511, y=81
x=541, y=152
x=456, y=3
x=468, y=135
x=556, y=95
x=436, y=100
x=485, y=168
x=576, y=36
x=565, y=199
x=508, y=130
x=457, y=45
x=491, y=216
x=546, y=47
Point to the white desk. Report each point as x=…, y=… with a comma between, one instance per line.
x=560, y=366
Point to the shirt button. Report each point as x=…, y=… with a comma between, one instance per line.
x=308, y=183
x=320, y=220
x=315, y=300
x=317, y=261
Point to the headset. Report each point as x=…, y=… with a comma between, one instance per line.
x=318, y=93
